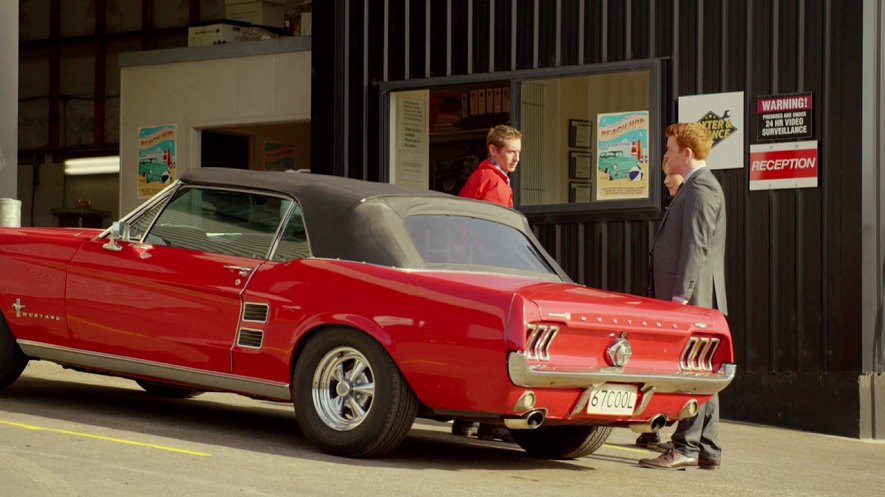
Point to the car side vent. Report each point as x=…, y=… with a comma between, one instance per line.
x=255, y=313
x=698, y=354
x=538, y=340
x=250, y=338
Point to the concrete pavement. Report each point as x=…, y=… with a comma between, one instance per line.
x=69, y=433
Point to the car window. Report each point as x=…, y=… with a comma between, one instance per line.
x=139, y=226
x=220, y=221
x=293, y=242
x=458, y=242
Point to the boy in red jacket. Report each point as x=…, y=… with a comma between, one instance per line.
x=490, y=181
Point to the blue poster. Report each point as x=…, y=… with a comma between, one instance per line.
x=622, y=156
x=156, y=158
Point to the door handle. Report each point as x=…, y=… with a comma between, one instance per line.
x=244, y=271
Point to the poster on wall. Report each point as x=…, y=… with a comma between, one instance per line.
x=723, y=115
x=784, y=117
x=156, y=159
x=410, y=151
x=279, y=156
x=777, y=166
x=622, y=158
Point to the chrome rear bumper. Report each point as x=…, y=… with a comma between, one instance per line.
x=541, y=375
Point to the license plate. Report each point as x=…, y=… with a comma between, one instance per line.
x=612, y=399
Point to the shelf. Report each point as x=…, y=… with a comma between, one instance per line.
x=453, y=136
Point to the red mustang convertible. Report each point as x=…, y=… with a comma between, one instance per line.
x=363, y=304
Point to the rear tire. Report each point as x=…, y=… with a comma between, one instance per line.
x=561, y=442
x=350, y=398
x=12, y=359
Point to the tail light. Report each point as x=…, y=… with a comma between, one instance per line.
x=698, y=354
x=539, y=337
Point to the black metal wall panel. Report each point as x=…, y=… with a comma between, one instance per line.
x=793, y=281
x=639, y=39
x=439, y=35
x=617, y=31
x=503, y=16
x=482, y=33
x=525, y=34
x=713, y=41
x=570, y=29
x=461, y=17
x=594, y=29
x=417, y=27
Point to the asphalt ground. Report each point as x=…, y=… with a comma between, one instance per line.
x=64, y=433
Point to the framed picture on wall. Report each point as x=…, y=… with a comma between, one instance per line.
x=580, y=133
x=579, y=193
x=580, y=164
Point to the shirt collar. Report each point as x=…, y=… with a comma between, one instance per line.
x=501, y=169
x=691, y=173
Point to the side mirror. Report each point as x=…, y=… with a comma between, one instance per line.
x=119, y=231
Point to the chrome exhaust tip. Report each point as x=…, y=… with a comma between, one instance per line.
x=689, y=410
x=654, y=424
x=528, y=421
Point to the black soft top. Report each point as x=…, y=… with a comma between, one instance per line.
x=360, y=220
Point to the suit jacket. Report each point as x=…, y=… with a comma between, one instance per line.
x=688, y=254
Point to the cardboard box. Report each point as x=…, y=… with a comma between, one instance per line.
x=220, y=34
x=257, y=12
x=213, y=34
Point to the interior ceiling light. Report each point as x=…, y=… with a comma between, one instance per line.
x=93, y=165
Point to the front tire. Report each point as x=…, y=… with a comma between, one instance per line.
x=12, y=359
x=561, y=442
x=350, y=398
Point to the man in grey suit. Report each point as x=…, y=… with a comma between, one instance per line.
x=688, y=258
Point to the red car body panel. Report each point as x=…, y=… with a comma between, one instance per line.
x=466, y=341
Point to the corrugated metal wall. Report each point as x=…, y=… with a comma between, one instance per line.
x=794, y=271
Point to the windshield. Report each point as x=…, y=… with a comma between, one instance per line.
x=466, y=243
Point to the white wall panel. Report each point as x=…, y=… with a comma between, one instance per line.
x=200, y=94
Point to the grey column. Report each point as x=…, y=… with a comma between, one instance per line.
x=872, y=379
x=9, y=100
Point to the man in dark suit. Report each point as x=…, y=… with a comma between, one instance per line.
x=688, y=258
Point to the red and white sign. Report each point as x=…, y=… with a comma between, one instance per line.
x=784, y=165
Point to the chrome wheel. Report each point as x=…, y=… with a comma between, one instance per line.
x=350, y=398
x=343, y=388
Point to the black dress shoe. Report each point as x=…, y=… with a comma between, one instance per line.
x=708, y=463
x=464, y=428
x=671, y=460
x=646, y=440
x=493, y=432
x=661, y=447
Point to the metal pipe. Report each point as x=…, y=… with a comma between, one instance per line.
x=528, y=421
x=654, y=424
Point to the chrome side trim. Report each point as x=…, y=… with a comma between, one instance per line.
x=136, y=367
x=543, y=376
